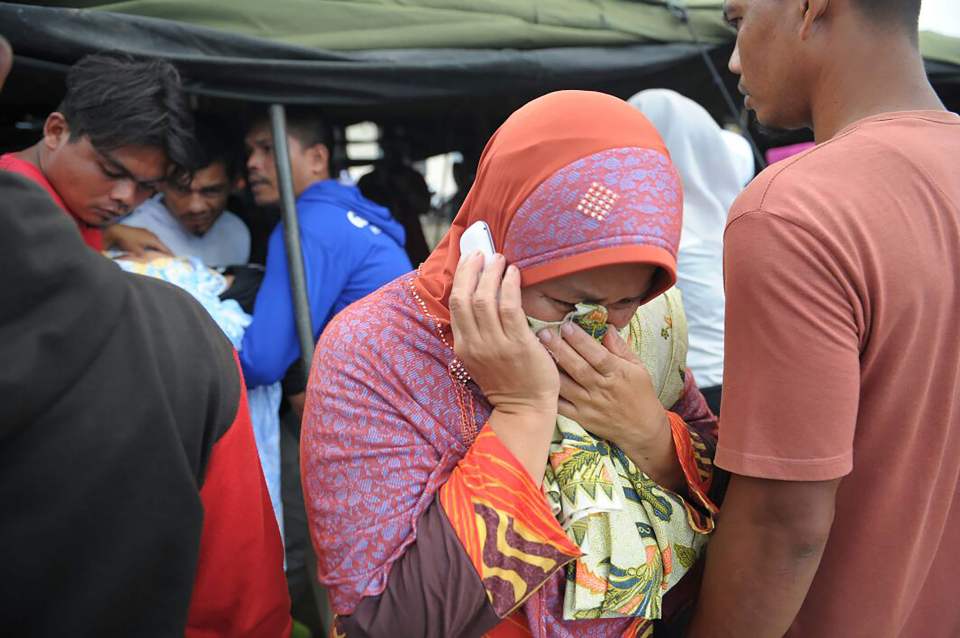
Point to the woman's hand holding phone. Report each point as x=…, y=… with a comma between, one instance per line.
x=513, y=369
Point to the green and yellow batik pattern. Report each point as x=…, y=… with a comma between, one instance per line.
x=638, y=539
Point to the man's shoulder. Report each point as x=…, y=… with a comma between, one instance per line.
x=799, y=187
x=330, y=211
x=232, y=220
x=230, y=224
x=201, y=379
x=151, y=211
x=11, y=163
x=332, y=224
x=170, y=315
x=177, y=310
x=854, y=164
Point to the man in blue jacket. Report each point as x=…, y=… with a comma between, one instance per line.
x=351, y=246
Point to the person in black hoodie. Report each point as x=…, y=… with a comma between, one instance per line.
x=134, y=500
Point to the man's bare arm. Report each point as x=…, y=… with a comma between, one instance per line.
x=763, y=556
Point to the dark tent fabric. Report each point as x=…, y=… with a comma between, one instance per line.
x=450, y=69
x=363, y=25
x=223, y=64
x=388, y=56
x=441, y=97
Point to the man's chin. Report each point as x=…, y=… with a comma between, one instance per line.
x=267, y=202
x=773, y=128
x=98, y=219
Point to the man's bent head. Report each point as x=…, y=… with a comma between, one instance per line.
x=198, y=204
x=308, y=140
x=122, y=129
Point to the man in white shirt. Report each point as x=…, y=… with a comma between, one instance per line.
x=192, y=219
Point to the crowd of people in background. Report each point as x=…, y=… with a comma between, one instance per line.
x=676, y=398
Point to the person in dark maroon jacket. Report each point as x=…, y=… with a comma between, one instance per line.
x=134, y=503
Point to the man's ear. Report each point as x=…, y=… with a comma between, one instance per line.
x=813, y=12
x=56, y=131
x=6, y=60
x=319, y=160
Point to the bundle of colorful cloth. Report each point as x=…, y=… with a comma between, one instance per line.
x=638, y=539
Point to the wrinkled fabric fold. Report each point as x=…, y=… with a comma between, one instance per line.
x=637, y=538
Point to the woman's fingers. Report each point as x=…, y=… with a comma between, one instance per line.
x=571, y=390
x=465, y=280
x=613, y=342
x=568, y=359
x=486, y=299
x=512, y=317
x=597, y=356
x=567, y=409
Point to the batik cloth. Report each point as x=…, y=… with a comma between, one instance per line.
x=636, y=537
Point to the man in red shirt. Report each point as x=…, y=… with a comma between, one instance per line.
x=123, y=127
x=134, y=500
x=841, y=404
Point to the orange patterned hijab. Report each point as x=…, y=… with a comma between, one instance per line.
x=571, y=181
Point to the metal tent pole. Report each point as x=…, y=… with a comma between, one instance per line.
x=301, y=304
x=291, y=235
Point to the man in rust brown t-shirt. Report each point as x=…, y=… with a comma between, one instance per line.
x=841, y=408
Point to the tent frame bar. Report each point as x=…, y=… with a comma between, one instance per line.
x=291, y=236
x=301, y=304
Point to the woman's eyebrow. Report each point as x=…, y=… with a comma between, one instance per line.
x=585, y=296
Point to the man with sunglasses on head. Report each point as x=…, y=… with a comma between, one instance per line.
x=122, y=129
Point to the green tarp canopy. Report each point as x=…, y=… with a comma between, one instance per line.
x=374, y=56
x=367, y=25
x=940, y=48
x=460, y=64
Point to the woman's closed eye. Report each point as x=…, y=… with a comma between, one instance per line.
x=625, y=303
x=568, y=306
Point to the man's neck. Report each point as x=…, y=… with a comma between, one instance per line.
x=31, y=154
x=323, y=178
x=872, y=80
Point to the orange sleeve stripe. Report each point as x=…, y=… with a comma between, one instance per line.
x=489, y=473
x=692, y=469
x=504, y=523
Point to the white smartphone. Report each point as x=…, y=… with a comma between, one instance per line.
x=475, y=238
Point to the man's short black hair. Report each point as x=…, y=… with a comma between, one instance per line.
x=307, y=126
x=117, y=100
x=217, y=142
x=904, y=12
x=304, y=123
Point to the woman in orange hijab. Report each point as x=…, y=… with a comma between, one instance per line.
x=432, y=406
